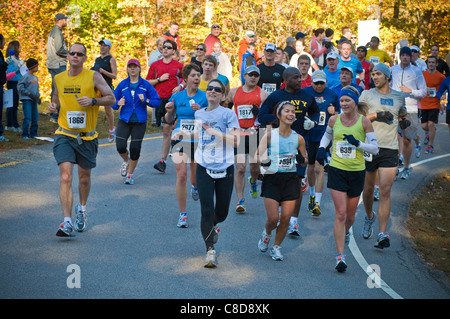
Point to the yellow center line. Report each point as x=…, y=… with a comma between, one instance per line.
x=13, y=163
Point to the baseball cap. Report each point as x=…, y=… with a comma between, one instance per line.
x=60, y=16
x=415, y=48
x=134, y=61
x=106, y=42
x=270, y=46
x=299, y=35
x=252, y=68
x=347, y=68
x=332, y=55
x=318, y=76
x=382, y=68
x=250, y=34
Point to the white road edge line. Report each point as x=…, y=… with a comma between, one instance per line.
x=360, y=258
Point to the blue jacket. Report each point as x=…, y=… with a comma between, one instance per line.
x=135, y=104
x=244, y=64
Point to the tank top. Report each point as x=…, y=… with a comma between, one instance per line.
x=243, y=104
x=72, y=116
x=105, y=64
x=282, y=151
x=344, y=155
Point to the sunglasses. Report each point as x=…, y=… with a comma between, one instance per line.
x=253, y=74
x=319, y=83
x=200, y=49
x=79, y=54
x=167, y=47
x=215, y=89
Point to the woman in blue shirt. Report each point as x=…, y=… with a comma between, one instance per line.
x=182, y=107
x=133, y=95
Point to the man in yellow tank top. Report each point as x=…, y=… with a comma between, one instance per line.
x=78, y=93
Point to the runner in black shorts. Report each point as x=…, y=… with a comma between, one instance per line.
x=280, y=149
x=346, y=173
x=386, y=109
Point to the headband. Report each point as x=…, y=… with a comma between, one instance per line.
x=281, y=105
x=350, y=94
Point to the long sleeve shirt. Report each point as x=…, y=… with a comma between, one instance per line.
x=412, y=77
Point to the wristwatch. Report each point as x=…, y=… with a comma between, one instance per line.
x=158, y=80
x=94, y=101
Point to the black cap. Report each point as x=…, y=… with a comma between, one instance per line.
x=60, y=16
x=299, y=35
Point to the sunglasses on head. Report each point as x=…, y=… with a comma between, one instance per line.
x=214, y=88
x=79, y=54
x=167, y=47
x=253, y=74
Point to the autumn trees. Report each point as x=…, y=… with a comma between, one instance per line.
x=134, y=25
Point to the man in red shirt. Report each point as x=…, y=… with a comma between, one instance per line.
x=166, y=76
x=212, y=38
x=430, y=105
x=361, y=53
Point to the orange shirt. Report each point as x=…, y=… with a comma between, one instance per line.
x=243, y=103
x=433, y=83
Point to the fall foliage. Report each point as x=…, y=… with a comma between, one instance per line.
x=134, y=25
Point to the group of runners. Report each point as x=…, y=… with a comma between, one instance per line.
x=286, y=122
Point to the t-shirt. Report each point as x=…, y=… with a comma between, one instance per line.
x=212, y=153
x=271, y=77
x=332, y=78
x=323, y=100
x=377, y=56
x=185, y=114
x=303, y=102
x=433, y=83
x=394, y=102
x=204, y=84
x=158, y=68
x=353, y=63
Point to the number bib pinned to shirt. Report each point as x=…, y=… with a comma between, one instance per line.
x=345, y=150
x=187, y=126
x=285, y=161
x=76, y=119
x=245, y=112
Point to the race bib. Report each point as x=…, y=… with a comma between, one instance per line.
x=375, y=60
x=216, y=174
x=76, y=119
x=322, y=118
x=187, y=126
x=269, y=87
x=431, y=92
x=245, y=112
x=367, y=156
x=345, y=150
x=285, y=161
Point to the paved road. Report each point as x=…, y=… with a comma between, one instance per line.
x=133, y=249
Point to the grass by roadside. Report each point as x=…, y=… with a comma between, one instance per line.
x=429, y=223
x=47, y=128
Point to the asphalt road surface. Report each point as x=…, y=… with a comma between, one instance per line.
x=133, y=249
